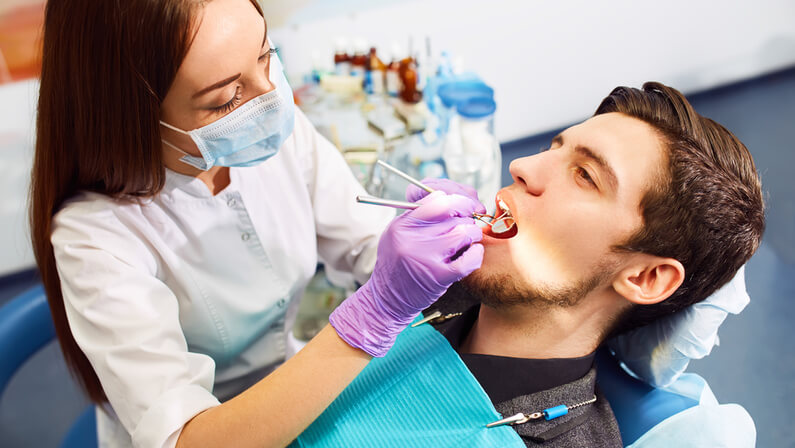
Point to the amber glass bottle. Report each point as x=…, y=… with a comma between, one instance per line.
x=409, y=78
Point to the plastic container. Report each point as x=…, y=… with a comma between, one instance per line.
x=454, y=92
x=471, y=152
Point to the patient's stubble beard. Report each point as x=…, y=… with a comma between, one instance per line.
x=500, y=290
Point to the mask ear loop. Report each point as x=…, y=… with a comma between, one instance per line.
x=171, y=145
x=174, y=128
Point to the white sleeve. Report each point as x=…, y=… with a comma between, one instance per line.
x=126, y=322
x=347, y=231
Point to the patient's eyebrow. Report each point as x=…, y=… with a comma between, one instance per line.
x=600, y=162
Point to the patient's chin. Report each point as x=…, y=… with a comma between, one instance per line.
x=494, y=290
x=501, y=291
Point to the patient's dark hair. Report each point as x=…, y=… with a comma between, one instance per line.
x=706, y=209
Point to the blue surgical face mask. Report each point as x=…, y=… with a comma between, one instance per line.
x=248, y=135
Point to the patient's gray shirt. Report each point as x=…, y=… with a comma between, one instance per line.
x=530, y=385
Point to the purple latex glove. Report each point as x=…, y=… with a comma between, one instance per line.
x=415, y=193
x=415, y=266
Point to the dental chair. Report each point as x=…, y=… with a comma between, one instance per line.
x=25, y=328
x=655, y=401
x=685, y=414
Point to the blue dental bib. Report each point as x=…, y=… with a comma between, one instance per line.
x=420, y=394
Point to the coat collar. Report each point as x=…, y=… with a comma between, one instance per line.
x=578, y=391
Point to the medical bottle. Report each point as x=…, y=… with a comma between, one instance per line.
x=359, y=60
x=316, y=68
x=392, y=75
x=409, y=79
x=376, y=74
x=471, y=152
x=342, y=61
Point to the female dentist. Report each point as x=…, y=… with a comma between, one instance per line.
x=179, y=204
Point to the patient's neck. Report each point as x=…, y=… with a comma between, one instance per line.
x=536, y=332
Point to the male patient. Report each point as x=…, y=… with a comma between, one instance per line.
x=636, y=213
x=640, y=211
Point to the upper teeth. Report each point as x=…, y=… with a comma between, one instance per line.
x=504, y=206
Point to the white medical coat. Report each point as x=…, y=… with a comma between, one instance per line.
x=188, y=291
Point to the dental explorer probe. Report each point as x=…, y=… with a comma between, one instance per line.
x=410, y=205
x=406, y=205
x=405, y=176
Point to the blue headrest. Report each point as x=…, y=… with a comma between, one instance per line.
x=638, y=407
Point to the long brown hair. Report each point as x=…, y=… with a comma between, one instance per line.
x=106, y=67
x=707, y=210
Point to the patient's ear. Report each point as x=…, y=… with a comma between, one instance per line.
x=649, y=279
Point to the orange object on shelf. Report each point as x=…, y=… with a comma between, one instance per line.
x=21, y=25
x=409, y=78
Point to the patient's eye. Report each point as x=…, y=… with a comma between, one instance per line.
x=583, y=174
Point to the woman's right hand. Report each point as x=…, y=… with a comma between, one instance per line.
x=421, y=254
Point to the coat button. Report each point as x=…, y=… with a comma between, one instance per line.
x=231, y=202
x=245, y=237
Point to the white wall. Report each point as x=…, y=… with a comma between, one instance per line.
x=17, y=115
x=551, y=62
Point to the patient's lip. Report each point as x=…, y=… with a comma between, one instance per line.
x=508, y=224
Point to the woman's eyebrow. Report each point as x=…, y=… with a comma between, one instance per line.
x=231, y=79
x=217, y=85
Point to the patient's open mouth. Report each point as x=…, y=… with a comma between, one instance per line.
x=503, y=226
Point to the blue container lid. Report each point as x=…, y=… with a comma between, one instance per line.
x=454, y=92
x=476, y=108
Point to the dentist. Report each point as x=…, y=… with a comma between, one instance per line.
x=179, y=206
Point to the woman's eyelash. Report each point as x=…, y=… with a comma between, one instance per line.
x=271, y=51
x=230, y=104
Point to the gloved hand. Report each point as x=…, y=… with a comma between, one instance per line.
x=416, y=264
x=415, y=193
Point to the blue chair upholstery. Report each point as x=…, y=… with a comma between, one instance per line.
x=25, y=327
x=638, y=407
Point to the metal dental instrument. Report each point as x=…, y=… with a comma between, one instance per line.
x=499, y=224
x=386, y=202
x=404, y=176
x=410, y=205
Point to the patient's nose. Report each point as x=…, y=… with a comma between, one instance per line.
x=530, y=173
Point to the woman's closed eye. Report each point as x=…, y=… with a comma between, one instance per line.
x=229, y=105
x=267, y=54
